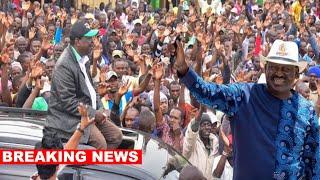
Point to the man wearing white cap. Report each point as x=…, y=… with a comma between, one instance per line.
x=275, y=130
x=113, y=85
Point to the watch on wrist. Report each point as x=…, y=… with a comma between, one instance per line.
x=79, y=128
x=225, y=154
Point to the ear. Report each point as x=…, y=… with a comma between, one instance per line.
x=297, y=74
x=76, y=41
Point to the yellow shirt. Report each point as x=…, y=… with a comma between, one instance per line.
x=296, y=12
x=96, y=3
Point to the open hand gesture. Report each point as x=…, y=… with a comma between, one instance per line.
x=45, y=43
x=10, y=19
x=129, y=39
x=148, y=60
x=158, y=71
x=37, y=11
x=26, y=5
x=166, y=32
x=32, y=33
x=179, y=28
x=85, y=120
x=97, y=53
x=168, y=20
x=37, y=70
x=97, y=49
x=124, y=88
x=42, y=29
x=83, y=110
x=103, y=72
x=5, y=59
x=39, y=83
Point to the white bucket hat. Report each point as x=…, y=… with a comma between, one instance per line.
x=284, y=52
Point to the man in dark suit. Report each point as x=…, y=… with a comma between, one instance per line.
x=72, y=84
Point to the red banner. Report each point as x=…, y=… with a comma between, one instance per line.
x=70, y=157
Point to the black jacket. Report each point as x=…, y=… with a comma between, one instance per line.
x=68, y=89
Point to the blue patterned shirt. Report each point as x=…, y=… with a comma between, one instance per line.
x=273, y=138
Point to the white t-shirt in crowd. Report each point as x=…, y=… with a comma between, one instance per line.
x=227, y=172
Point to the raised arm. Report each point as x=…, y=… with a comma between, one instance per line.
x=192, y=134
x=34, y=93
x=226, y=98
x=227, y=149
x=199, y=59
x=157, y=75
x=84, y=123
x=115, y=111
x=143, y=85
x=5, y=95
x=97, y=51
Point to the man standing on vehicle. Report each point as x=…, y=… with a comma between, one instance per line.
x=71, y=85
x=275, y=130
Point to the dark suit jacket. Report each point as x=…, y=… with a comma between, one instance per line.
x=68, y=89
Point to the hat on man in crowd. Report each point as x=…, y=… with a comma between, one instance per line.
x=89, y=16
x=234, y=10
x=111, y=74
x=150, y=101
x=286, y=53
x=315, y=71
x=208, y=117
x=81, y=29
x=137, y=21
x=16, y=64
x=117, y=53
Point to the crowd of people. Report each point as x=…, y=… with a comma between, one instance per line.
x=121, y=61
